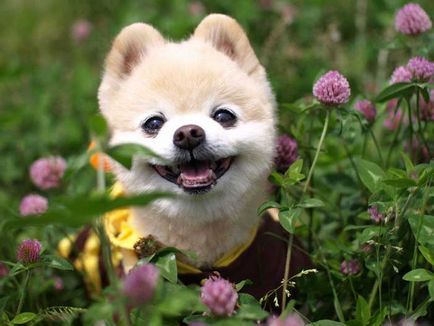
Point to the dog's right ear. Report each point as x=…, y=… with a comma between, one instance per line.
x=129, y=48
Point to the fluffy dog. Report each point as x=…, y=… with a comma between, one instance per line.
x=205, y=106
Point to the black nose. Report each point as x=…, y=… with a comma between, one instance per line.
x=188, y=136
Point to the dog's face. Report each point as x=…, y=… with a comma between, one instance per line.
x=204, y=105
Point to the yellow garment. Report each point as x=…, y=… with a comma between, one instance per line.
x=123, y=236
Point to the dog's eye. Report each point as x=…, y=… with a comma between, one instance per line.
x=153, y=125
x=225, y=117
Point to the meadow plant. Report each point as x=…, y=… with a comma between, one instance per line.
x=354, y=178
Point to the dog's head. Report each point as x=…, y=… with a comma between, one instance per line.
x=204, y=105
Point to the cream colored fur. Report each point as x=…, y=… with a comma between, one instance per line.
x=185, y=81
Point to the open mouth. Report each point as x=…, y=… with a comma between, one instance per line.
x=196, y=176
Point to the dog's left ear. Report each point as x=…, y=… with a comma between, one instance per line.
x=227, y=36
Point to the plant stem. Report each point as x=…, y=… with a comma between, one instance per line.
x=23, y=291
x=419, y=124
x=388, y=249
x=414, y=262
x=306, y=186
x=377, y=146
x=286, y=273
x=395, y=136
x=318, y=149
x=410, y=123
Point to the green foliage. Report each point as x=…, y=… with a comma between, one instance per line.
x=48, y=87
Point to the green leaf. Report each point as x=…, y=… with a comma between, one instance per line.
x=58, y=263
x=98, y=125
x=23, y=318
x=363, y=313
x=293, y=175
x=250, y=308
x=288, y=217
x=428, y=254
x=402, y=183
x=82, y=209
x=326, y=322
x=268, y=204
x=418, y=275
x=167, y=266
x=409, y=166
x=395, y=90
x=177, y=299
x=431, y=289
x=311, y=202
x=124, y=153
x=370, y=174
x=425, y=94
x=276, y=178
x=60, y=313
x=241, y=284
x=378, y=318
x=426, y=233
x=338, y=309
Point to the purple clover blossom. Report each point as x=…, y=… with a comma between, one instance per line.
x=286, y=152
x=58, y=283
x=400, y=75
x=394, y=115
x=350, y=267
x=33, y=205
x=412, y=20
x=420, y=152
x=332, y=89
x=219, y=296
x=375, y=215
x=420, y=68
x=290, y=320
x=80, y=30
x=47, y=172
x=427, y=108
x=29, y=251
x=4, y=270
x=367, y=108
x=140, y=283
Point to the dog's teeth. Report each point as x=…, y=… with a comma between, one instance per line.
x=175, y=169
x=213, y=165
x=179, y=179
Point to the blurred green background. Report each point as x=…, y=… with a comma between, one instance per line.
x=52, y=54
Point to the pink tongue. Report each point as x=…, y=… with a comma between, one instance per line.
x=199, y=170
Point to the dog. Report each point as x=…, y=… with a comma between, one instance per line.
x=205, y=106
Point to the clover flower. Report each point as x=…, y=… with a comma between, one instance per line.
x=394, y=116
x=290, y=320
x=286, y=152
x=80, y=30
x=47, y=172
x=427, y=108
x=412, y=20
x=29, y=251
x=140, y=283
x=33, y=205
x=332, y=89
x=420, y=68
x=350, y=267
x=400, y=75
x=4, y=270
x=375, y=215
x=219, y=296
x=58, y=283
x=367, y=108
